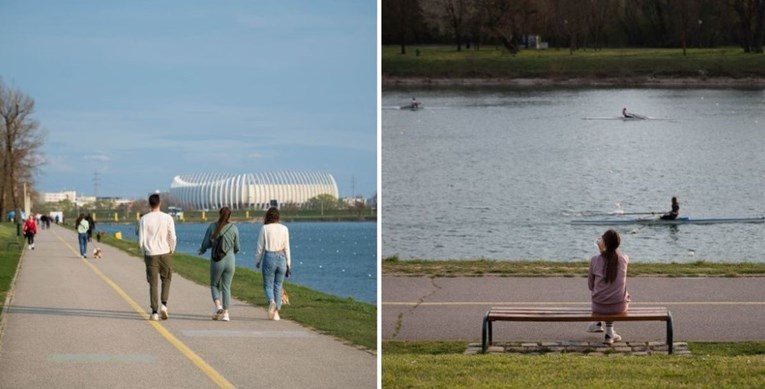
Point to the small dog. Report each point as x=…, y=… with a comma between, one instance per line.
x=285, y=297
x=97, y=253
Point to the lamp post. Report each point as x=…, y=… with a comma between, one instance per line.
x=699, y=38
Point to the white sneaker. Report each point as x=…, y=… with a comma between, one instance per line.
x=163, y=312
x=611, y=336
x=276, y=315
x=154, y=317
x=271, y=310
x=217, y=313
x=595, y=327
x=225, y=317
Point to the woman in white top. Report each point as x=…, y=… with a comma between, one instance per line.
x=82, y=234
x=274, y=252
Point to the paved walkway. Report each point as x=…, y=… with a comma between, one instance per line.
x=75, y=323
x=703, y=309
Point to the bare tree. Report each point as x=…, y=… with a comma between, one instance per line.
x=401, y=19
x=751, y=14
x=21, y=140
x=451, y=15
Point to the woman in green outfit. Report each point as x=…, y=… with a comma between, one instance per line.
x=221, y=270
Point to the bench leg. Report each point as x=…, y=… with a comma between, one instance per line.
x=670, y=340
x=484, y=332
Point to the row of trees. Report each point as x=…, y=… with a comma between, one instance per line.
x=575, y=23
x=21, y=140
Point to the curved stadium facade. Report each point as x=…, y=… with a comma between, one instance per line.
x=251, y=191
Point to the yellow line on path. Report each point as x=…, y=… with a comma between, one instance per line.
x=586, y=303
x=185, y=350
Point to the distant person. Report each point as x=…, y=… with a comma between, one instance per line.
x=156, y=240
x=82, y=234
x=674, y=213
x=274, y=251
x=627, y=114
x=222, y=270
x=30, y=230
x=47, y=221
x=58, y=220
x=414, y=104
x=91, y=227
x=607, y=281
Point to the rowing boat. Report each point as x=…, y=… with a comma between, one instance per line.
x=680, y=220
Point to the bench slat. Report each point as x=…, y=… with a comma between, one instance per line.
x=573, y=314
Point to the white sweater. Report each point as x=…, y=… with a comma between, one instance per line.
x=273, y=237
x=156, y=233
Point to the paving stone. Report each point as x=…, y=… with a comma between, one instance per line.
x=495, y=349
x=656, y=343
x=602, y=349
x=683, y=353
x=680, y=344
x=529, y=344
x=550, y=344
x=623, y=349
x=515, y=349
x=661, y=348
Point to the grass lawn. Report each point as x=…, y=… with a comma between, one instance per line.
x=480, y=267
x=348, y=319
x=9, y=259
x=492, y=63
x=441, y=364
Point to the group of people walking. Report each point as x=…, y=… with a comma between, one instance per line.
x=157, y=241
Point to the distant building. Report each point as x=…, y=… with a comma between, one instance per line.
x=251, y=191
x=55, y=197
x=352, y=201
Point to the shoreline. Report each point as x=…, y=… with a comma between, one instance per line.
x=662, y=82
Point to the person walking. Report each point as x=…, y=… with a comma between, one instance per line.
x=156, y=240
x=607, y=280
x=274, y=252
x=30, y=230
x=82, y=234
x=91, y=226
x=221, y=268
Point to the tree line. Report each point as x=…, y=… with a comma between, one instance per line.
x=21, y=141
x=575, y=24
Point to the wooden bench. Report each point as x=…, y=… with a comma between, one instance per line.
x=570, y=314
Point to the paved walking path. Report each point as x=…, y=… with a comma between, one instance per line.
x=703, y=309
x=75, y=323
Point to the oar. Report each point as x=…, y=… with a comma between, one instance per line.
x=617, y=213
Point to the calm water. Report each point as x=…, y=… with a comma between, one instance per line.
x=336, y=258
x=500, y=173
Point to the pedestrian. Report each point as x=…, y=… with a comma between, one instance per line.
x=274, y=252
x=82, y=234
x=607, y=281
x=156, y=240
x=221, y=268
x=91, y=226
x=30, y=229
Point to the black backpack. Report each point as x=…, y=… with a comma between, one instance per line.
x=217, y=247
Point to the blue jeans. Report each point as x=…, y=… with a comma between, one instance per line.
x=274, y=268
x=83, y=238
x=221, y=275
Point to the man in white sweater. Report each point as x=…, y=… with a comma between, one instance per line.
x=156, y=239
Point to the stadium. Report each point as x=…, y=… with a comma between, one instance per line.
x=251, y=191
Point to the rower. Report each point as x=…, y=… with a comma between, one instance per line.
x=672, y=215
x=414, y=104
x=627, y=114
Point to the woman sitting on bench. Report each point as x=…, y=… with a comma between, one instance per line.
x=607, y=281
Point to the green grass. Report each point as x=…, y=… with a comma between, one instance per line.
x=9, y=259
x=482, y=267
x=446, y=62
x=434, y=364
x=348, y=319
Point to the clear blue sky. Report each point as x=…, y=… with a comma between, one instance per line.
x=140, y=91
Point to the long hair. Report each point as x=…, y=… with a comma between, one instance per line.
x=272, y=216
x=225, y=214
x=79, y=219
x=611, y=239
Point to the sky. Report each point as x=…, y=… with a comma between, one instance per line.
x=131, y=94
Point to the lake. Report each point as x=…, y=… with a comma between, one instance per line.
x=499, y=173
x=338, y=258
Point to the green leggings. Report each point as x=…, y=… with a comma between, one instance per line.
x=221, y=275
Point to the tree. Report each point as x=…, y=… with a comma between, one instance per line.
x=451, y=15
x=20, y=142
x=323, y=202
x=751, y=15
x=401, y=19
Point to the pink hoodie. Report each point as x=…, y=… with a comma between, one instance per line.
x=613, y=297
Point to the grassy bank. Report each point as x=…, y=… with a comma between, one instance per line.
x=624, y=64
x=9, y=259
x=441, y=364
x=477, y=268
x=348, y=319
